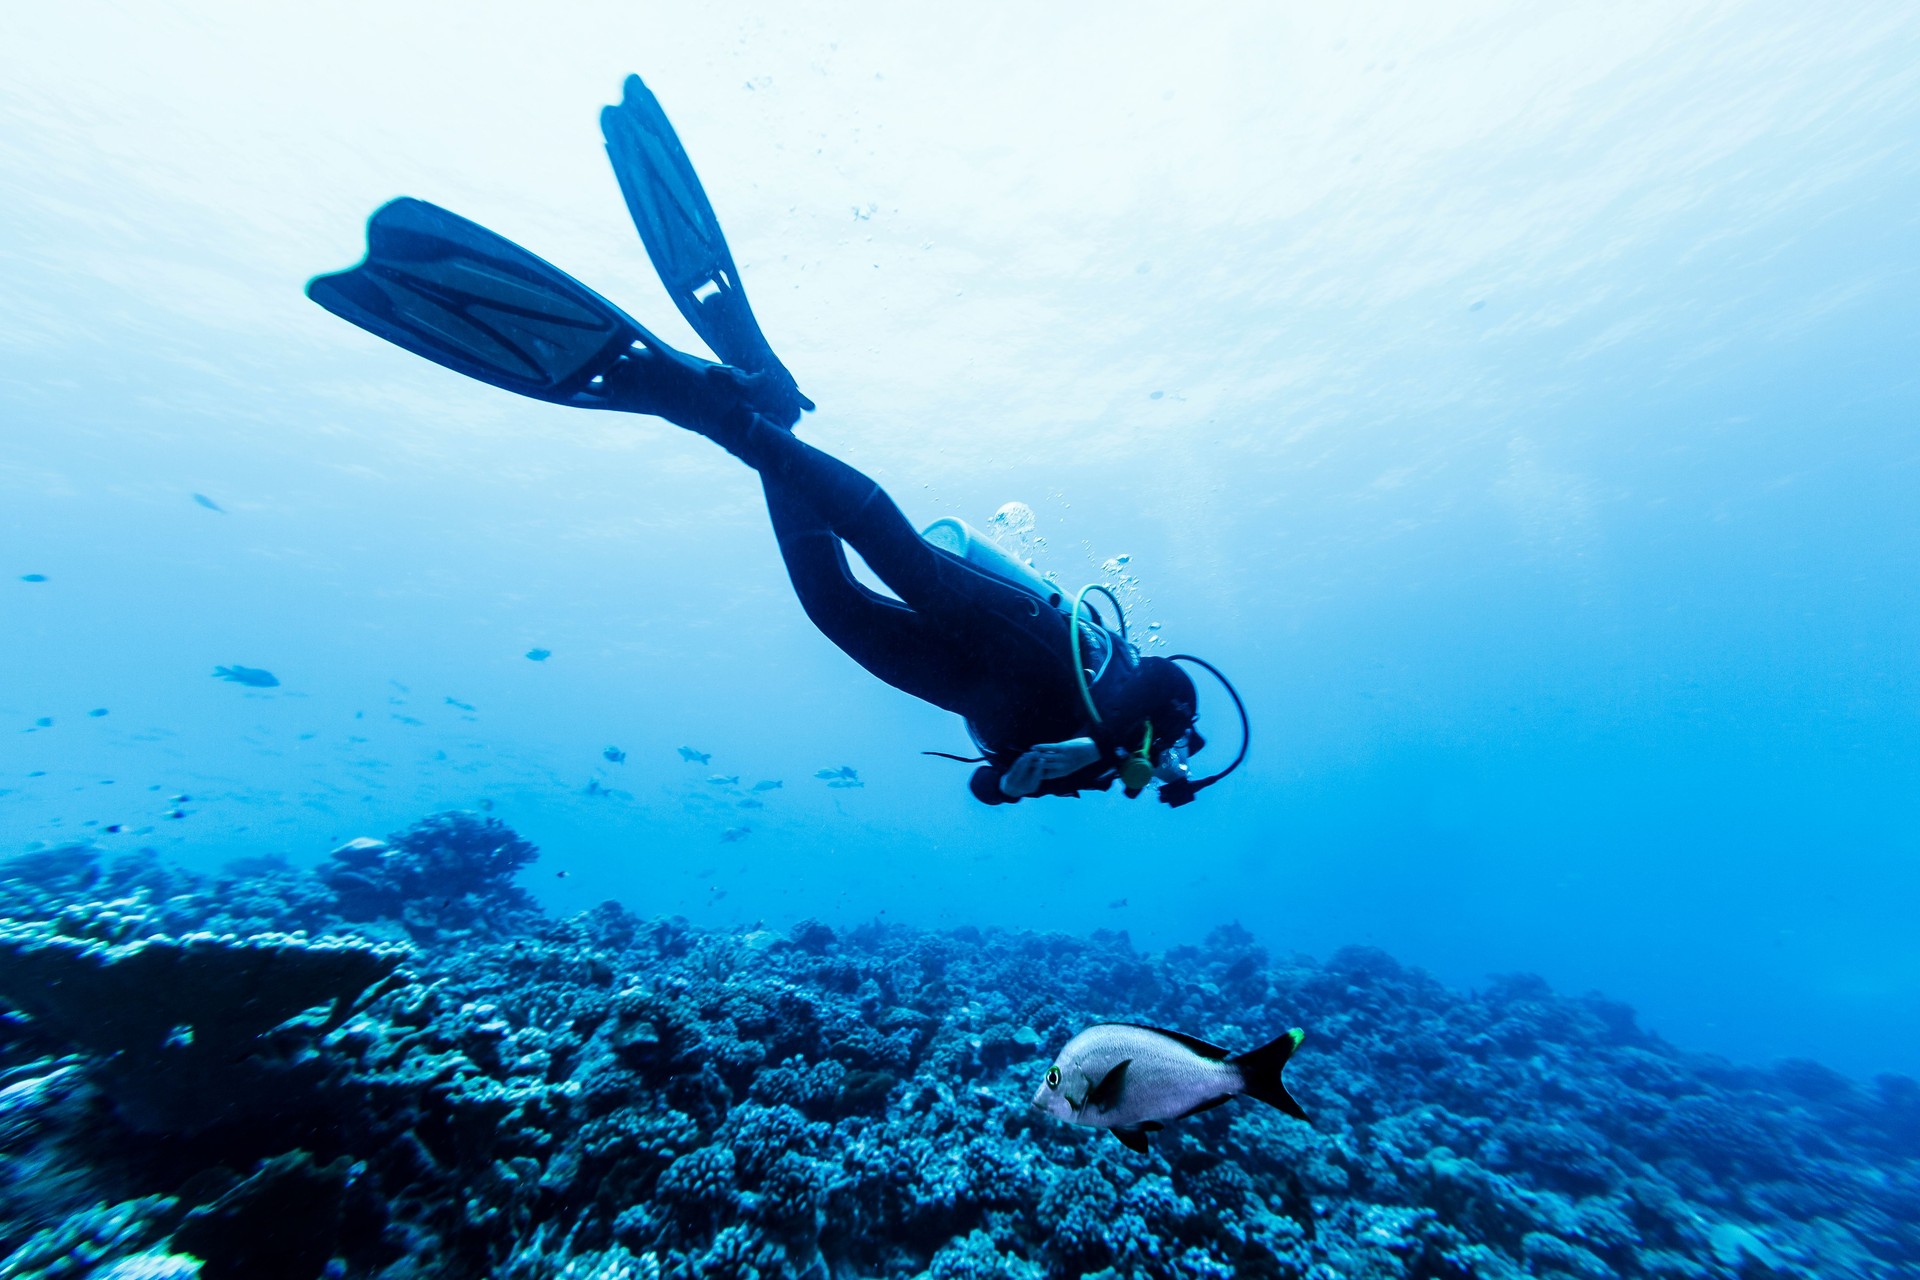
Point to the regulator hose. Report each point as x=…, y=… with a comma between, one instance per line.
x=1246, y=728
x=1073, y=623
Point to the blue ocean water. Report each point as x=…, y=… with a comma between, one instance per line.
x=1518, y=404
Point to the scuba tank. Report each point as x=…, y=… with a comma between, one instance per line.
x=1093, y=648
x=959, y=538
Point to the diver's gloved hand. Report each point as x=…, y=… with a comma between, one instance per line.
x=1045, y=762
x=1175, y=792
x=698, y=394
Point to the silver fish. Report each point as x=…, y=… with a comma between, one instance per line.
x=1132, y=1079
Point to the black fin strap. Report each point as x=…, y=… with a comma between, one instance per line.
x=948, y=755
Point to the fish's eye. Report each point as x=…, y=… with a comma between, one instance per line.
x=1053, y=1077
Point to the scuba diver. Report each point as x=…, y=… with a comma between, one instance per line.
x=1057, y=701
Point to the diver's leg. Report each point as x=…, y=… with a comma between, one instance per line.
x=717, y=402
x=932, y=645
x=854, y=507
x=910, y=650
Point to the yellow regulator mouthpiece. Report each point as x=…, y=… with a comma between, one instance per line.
x=1137, y=772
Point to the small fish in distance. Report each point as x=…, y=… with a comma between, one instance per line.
x=843, y=783
x=845, y=772
x=253, y=677
x=724, y=779
x=1131, y=1079
x=464, y=706
x=539, y=655
x=98, y=711
x=33, y=577
x=771, y=784
x=209, y=503
x=614, y=755
x=690, y=756
x=1116, y=904
x=734, y=834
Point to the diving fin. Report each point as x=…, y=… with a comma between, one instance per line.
x=683, y=239
x=463, y=297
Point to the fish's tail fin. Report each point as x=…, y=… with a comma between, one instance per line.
x=1260, y=1073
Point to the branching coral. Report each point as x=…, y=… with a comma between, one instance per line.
x=450, y=874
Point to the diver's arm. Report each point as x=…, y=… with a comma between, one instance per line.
x=1046, y=761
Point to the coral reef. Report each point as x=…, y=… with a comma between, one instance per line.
x=179, y=1024
x=443, y=878
x=613, y=1098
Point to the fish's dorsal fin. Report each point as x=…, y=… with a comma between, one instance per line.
x=1105, y=1096
x=1195, y=1043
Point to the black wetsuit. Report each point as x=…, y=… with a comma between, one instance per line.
x=963, y=639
